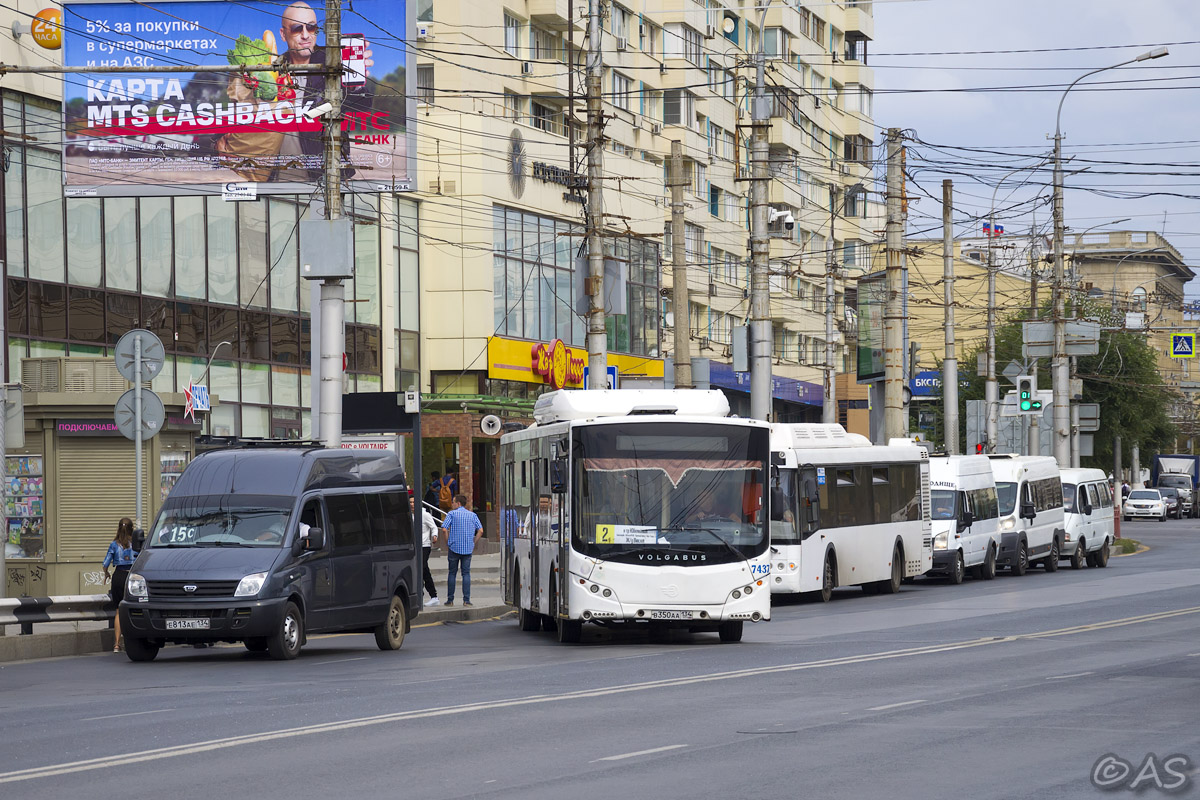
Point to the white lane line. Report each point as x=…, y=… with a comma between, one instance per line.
x=130, y=714
x=123, y=759
x=638, y=753
x=339, y=660
x=897, y=705
x=1064, y=677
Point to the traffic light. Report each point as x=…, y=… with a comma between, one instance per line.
x=1027, y=402
x=979, y=448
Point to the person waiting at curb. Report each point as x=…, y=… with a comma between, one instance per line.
x=429, y=536
x=463, y=529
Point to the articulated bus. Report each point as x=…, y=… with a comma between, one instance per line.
x=635, y=507
x=845, y=512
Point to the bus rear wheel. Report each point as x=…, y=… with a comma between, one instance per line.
x=892, y=585
x=731, y=631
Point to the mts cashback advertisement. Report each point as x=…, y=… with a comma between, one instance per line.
x=262, y=122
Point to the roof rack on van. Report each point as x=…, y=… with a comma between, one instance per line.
x=253, y=441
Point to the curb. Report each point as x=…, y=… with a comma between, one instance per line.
x=1141, y=549
x=53, y=645
x=439, y=615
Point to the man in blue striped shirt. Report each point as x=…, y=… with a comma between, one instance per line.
x=463, y=529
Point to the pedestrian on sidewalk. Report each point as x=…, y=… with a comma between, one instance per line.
x=431, y=491
x=120, y=557
x=429, y=536
x=463, y=529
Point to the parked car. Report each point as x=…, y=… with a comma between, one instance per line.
x=1144, y=504
x=1173, y=500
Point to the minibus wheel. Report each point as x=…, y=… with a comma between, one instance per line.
x=390, y=635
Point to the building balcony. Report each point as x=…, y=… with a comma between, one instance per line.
x=859, y=18
x=552, y=14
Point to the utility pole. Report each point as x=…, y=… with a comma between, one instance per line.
x=679, y=284
x=760, y=247
x=893, y=317
x=333, y=291
x=991, y=389
x=1117, y=498
x=950, y=362
x=597, y=334
x=829, y=413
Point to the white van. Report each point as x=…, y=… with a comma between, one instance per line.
x=1088, y=517
x=966, y=524
x=1029, y=493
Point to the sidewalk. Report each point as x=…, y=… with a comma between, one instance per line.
x=51, y=639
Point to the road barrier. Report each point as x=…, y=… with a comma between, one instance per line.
x=28, y=611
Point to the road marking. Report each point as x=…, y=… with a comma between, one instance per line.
x=130, y=714
x=339, y=661
x=1064, y=677
x=897, y=705
x=123, y=759
x=639, y=753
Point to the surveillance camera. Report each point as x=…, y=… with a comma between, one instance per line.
x=789, y=222
x=318, y=111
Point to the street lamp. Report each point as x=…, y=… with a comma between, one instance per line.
x=1059, y=366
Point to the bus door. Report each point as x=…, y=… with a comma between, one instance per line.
x=560, y=509
x=509, y=525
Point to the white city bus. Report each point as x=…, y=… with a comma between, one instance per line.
x=870, y=523
x=635, y=507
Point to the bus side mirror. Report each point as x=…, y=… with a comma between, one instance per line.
x=965, y=521
x=315, y=539
x=1028, y=511
x=139, y=540
x=558, y=476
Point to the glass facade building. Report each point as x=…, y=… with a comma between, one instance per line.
x=198, y=272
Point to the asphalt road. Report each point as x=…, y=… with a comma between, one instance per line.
x=1007, y=689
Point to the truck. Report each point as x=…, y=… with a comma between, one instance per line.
x=1179, y=471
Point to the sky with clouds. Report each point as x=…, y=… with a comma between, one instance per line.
x=1134, y=131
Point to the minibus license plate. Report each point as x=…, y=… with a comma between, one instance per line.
x=670, y=614
x=187, y=624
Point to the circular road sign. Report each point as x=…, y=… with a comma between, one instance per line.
x=153, y=415
x=153, y=355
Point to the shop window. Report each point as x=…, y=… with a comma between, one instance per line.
x=155, y=245
x=191, y=329
x=122, y=315
x=366, y=350
x=120, y=243
x=222, y=381
x=285, y=386
x=18, y=307
x=285, y=423
x=223, y=327
x=85, y=317
x=256, y=421
x=48, y=311
x=256, y=336
x=285, y=339
x=84, y=242
x=190, y=251
x=158, y=317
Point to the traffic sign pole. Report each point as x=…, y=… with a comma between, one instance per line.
x=137, y=426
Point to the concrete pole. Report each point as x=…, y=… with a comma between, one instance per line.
x=333, y=291
x=597, y=333
x=829, y=412
x=1059, y=374
x=991, y=388
x=1075, y=434
x=1117, y=475
x=893, y=319
x=760, y=247
x=3, y=432
x=1135, y=468
x=950, y=362
x=679, y=281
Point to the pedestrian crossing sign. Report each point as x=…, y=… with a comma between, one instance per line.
x=1183, y=345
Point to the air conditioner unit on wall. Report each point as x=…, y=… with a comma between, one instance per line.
x=526, y=68
x=710, y=31
x=656, y=128
x=703, y=342
x=622, y=43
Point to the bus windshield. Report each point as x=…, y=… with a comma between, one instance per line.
x=1068, y=498
x=1006, y=496
x=679, y=493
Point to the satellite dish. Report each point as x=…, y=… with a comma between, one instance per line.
x=490, y=425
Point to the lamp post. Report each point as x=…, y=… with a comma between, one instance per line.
x=1059, y=367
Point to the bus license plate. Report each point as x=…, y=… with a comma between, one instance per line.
x=187, y=624
x=670, y=614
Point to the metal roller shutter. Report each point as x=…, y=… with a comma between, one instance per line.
x=95, y=482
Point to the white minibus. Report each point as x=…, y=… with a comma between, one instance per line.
x=966, y=524
x=1088, y=517
x=1029, y=494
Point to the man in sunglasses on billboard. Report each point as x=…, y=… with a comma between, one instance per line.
x=302, y=152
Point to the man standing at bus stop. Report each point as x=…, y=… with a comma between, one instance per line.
x=463, y=529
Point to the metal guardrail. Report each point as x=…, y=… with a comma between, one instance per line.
x=28, y=611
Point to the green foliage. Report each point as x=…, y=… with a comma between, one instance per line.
x=247, y=51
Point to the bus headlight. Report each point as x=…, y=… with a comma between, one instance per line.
x=939, y=541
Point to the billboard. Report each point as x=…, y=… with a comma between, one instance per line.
x=200, y=132
x=872, y=297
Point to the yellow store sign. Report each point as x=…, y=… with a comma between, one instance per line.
x=556, y=363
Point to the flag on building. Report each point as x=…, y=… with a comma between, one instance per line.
x=987, y=229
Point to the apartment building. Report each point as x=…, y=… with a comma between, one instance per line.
x=502, y=157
